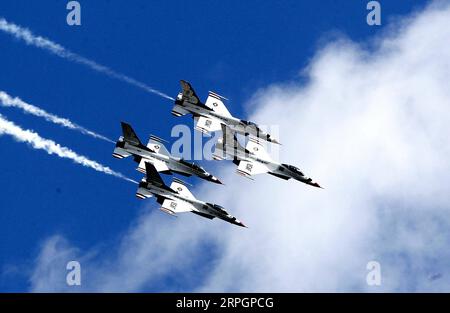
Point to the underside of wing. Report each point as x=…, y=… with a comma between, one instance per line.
x=176, y=206
x=179, y=187
x=248, y=168
x=256, y=148
x=207, y=125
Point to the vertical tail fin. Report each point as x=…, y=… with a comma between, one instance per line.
x=129, y=135
x=228, y=145
x=188, y=92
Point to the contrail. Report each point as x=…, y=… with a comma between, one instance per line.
x=52, y=47
x=37, y=142
x=7, y=101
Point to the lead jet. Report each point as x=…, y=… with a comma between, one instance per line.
x=254, y=159
x=178, y=199
x=209, y=116
x=156, y=153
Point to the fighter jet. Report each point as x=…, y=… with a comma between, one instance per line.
x=209, y=116
x=177, y=198
x=254, y=159
x=156, y=153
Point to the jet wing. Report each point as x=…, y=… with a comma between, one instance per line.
x=206, y=125
x=249, y=168
x=176, y=206
x=214, y=102
x=156, y=144
x=179, y=187
x=257, y=149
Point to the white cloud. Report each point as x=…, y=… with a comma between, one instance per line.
x=372, y=127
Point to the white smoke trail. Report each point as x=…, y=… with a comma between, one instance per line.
x=37, y=142
x=8, y=101
x=46, y=44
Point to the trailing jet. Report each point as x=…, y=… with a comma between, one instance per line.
x=254, y=159
x=209, y=116
x=177, y=198
x=156, y=153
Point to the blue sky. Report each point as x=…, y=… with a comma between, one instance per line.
x=232, y=47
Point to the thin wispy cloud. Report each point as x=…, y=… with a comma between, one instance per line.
x=8, y=101
x=37, y=142
x=46, y=44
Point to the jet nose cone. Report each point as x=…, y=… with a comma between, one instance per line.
x=214, y=179
x=239, y=223
x=317, y=185
x=275, y=141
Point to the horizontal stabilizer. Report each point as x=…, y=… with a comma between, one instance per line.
x=120, y=153
x=143, y=193
x=178, y=110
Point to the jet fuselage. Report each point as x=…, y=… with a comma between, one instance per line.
x=174, y=164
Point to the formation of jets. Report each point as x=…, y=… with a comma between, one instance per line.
x=211, y=116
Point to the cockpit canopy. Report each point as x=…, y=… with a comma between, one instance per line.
x=248, y=123
x=293, y=168
x=192, y=165
x=218, y=208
